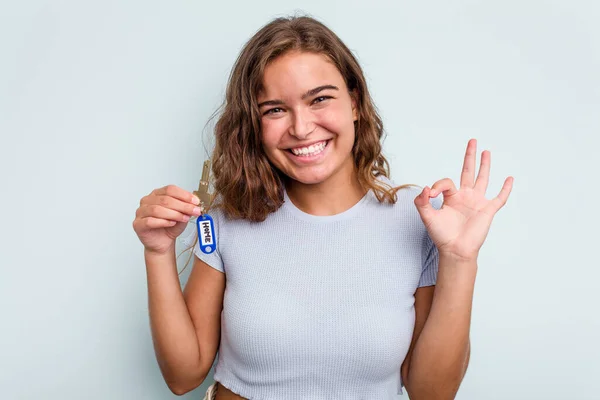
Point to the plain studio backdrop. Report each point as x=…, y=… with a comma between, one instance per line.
x=103, y=101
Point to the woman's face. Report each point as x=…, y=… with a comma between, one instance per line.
x=307, y=118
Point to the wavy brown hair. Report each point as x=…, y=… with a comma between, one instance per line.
x=247, y=185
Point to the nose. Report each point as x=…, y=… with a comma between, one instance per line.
x=302, y=125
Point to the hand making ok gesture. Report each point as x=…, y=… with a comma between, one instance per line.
x=460, y=227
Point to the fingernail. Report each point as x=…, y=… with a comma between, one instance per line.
x=195, y=200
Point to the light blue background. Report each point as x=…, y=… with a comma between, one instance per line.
x=103, y=101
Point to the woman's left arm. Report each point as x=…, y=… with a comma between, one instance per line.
x=438, y=360
x=440, y=348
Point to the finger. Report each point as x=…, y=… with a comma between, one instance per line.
x=154, y=223
x=481, y=184
x=159, y=211
x=467, y=176
x=141, y=224
x=177, y=193
x=499, y=201
x=174, y=204
x=445, y=186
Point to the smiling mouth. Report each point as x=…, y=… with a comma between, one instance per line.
x=311, y=150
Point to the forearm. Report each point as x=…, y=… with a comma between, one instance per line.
x=173, y=334
x=441, y=353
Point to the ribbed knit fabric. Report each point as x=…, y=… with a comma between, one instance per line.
x=320, y=307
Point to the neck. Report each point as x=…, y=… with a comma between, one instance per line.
x=331, y=197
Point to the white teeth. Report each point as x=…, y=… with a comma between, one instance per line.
x=310, y=150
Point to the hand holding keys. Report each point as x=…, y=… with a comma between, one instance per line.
x=164, y=214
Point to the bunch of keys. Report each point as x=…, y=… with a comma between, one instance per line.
x=204, y=223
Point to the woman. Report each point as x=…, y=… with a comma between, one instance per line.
x=328, y=282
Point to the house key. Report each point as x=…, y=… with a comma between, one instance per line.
x=202, y=193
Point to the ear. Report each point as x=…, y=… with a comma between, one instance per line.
x=354, y=100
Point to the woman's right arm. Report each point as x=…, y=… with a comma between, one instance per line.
x=186, y=325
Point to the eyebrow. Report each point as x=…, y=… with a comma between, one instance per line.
x=310, y=93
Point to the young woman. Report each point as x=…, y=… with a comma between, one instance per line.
x=328, y=282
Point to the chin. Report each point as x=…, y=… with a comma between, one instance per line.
x=310, y=181
x=310, y=178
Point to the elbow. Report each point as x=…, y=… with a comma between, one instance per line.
x=438, y=389
x=180, y=385
x=180, y=388
x=183, y=378
x=438, y=385
x=179, y=391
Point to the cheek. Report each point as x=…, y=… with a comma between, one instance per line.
x=269, y=135
x=338, y=121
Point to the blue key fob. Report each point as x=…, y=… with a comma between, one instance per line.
x=206, y=233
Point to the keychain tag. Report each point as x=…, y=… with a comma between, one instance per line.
x=206, y=233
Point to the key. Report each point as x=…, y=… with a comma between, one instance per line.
x=202, y=193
